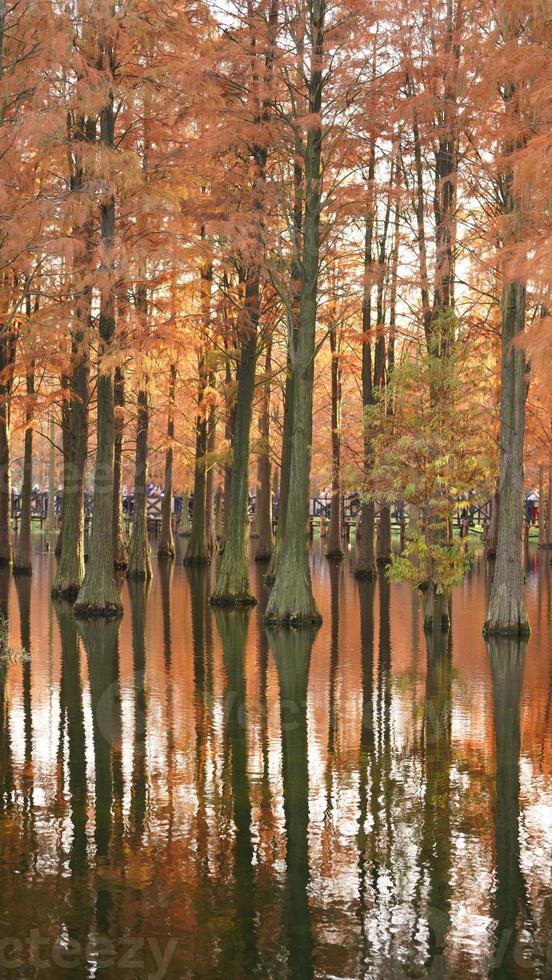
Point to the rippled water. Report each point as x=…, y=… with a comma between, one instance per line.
x=187, y=795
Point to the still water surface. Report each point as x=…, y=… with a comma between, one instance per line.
x=185, y=795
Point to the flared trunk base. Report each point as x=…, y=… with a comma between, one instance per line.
x=99, y=610
x=507, y=616
x=232, y=601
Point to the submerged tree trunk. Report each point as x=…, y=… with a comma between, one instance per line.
x=232, y=587
x=119, y=542
x=263, y=551
x=23, y=561
x=98, y=595
x=333, y=540
x=507, y=613
x=166, y=548
x=139, y=553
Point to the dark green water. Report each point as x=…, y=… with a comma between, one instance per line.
x=185, y=795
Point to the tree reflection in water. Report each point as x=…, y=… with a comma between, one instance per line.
x=162, y=777
x=512, y=912
x=292, y=651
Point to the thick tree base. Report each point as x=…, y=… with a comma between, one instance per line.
x=496, y=628
x=5, y=562
x=293, y=620
x=232, y=601
x=366, y=574
x=335, y=553
x=507, y=614
x=196, y=560
x=88, y=611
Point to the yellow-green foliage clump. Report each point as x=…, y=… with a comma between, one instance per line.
x=432, y=449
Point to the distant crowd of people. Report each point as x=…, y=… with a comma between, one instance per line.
x=352, y=500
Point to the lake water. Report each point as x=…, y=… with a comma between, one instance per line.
x=185, y=795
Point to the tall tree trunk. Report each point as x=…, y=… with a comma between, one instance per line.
x=263, y=550
x=184, y=523
x=548, y=543
x=210, y=475
x=166, y=548
x=491, y=540
x=287, y=429
x=98, y=595
x=333, y=540
x=291, y=601
x=228, y=425
x=139, y=553
x=119, y=543
x=232, y=586
x=198, y=549
x=383, y=540
x=50, y=524
x=7, y=361
x=365, y=559
x=70, y=573
x=23, y=561
x=293, y=331
x=507, y=613
x=542, y=522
